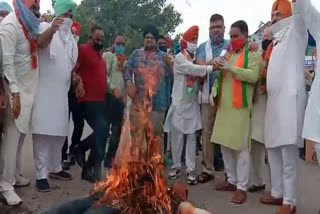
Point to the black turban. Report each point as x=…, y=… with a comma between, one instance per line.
x=152, y=30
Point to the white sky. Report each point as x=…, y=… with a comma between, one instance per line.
x=198, y=12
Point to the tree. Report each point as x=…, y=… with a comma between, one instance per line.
x=127, y=17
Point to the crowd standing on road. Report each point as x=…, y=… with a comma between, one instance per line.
x=249, y=100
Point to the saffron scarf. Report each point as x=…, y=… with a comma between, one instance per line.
x=240, y=99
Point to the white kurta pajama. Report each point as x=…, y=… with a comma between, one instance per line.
x=257, y=136
x=184, y=113
x=50, y=118
x=311, y=129
x=286, y=105
x=23, y=80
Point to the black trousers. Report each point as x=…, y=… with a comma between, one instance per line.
x=114, y=109
x=78, y=121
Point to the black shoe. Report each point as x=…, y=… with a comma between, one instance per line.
x=42, y=185
x=80, y=157
x=255, y=188
x=72, y=160
x=87, y=176
x=65, y=165
x=62, y=175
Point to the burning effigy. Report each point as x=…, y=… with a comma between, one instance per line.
x=136, y=183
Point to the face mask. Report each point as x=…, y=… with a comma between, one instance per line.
x=237, y=44
x=28, y=18
x=163, y=48
x=265, y=44
x=192, y=47
x=97, y=46
x=1, y=18
x=76, y=38
x=119, y=50
x=66, y=26
x=216, y=38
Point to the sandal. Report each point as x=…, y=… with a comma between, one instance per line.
x=205, y=177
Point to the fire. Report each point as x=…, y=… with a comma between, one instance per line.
x=137, y=184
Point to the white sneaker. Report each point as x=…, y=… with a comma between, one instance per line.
x=192, y=178
x=174, y=173
x=11, y=197
x=21, y=181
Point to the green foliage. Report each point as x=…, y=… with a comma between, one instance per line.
x=127, y=17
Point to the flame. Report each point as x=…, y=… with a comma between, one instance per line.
x=136, y=183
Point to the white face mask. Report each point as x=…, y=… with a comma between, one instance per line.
x=192, y=47
x=65, y=29
x=67, y=24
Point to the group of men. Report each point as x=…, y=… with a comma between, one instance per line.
x=251, y=102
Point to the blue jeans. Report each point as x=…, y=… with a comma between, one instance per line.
x=93, y=113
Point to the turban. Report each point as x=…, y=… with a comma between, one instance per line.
x=191, y=33
x=4, y=6
x=284, y=7
x=188, y=36
x=62, y=6
x=152, y=30
x=77, y=27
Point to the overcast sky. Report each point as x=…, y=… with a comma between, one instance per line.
x=198, y=12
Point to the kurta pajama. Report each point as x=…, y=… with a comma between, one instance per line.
x=50, y=116
x=184, y=113
x=311, y=128
x=286, y=104
x=257, y=135
x=23, y=80
x=232, y=125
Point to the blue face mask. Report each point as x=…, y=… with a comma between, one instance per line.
x=28, y=18
x=119, y=50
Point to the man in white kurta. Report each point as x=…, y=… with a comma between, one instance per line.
x=184, y=117
x=311, y=128
x=285, y=106
x=50, y=113
x=21, y=71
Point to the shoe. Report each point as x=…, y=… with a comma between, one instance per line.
x=205, y=177
x=65, y=165
x=21, y=181
x=192, y=178
x=239, y=197
x=270, y=200
x=80, y=157
x=226, y=187
x=42, y=185
x=11, y=198
x=287, y=209
x=174, y=173
x=87, y=176
x=72, y=160
x=62, y=175
x=255, y=188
